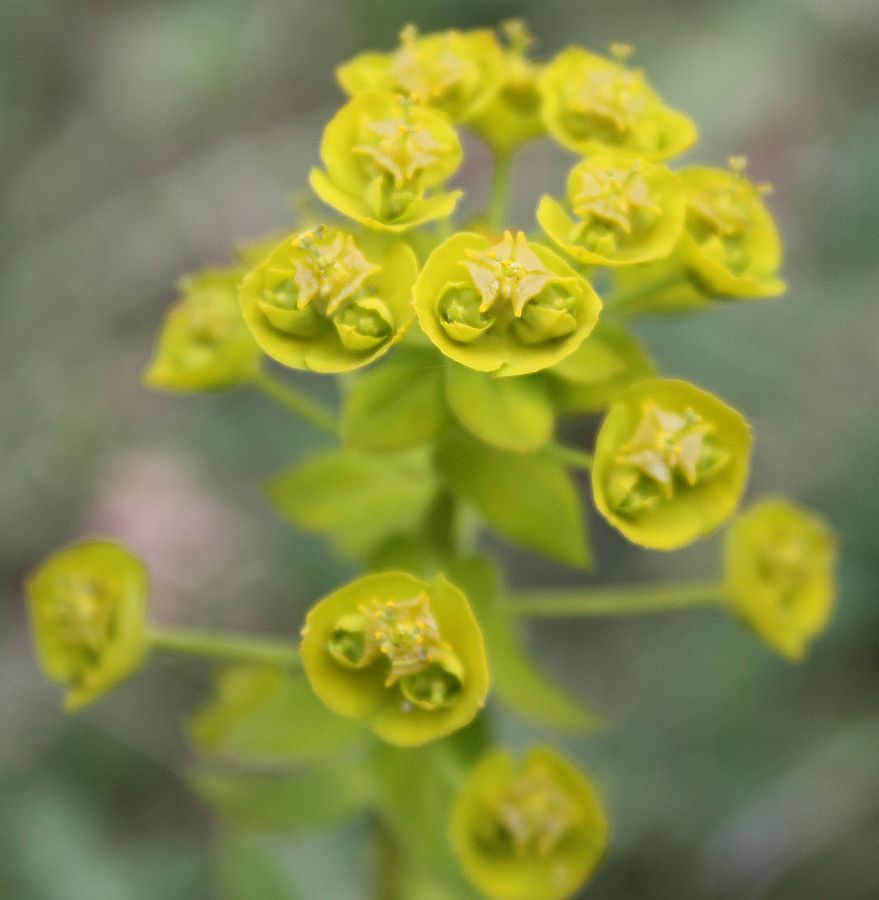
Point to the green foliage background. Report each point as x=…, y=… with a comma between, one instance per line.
x=139, y=139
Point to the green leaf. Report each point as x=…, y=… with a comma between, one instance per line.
x=531, y=499
x=357, y=500
x=266, y=715
x=516, y=681
x=313, y=797
x=510, y=413
x=397, y=405
x=248, y=871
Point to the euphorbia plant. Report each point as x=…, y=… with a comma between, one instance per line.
x=461, y=344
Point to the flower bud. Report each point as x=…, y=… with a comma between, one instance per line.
x=404, y=655
x=317, y=301
x=781, y=574
x=527, y=829
x=671, y=463
x=509, y=309
x=204, y=344
x=383, y=154
x=454, y=71
x=592, y=105
x=624, y=211
x=87, y=607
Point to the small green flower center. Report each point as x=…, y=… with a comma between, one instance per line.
x=614, y=96
x=405, y=634
x=614, y=197
x=433, y=72
x=667, y=449
x=534, y=813
x=81, y=613
x=211, y=317
x=783, y=564
x=510, y=272
x=400, y=147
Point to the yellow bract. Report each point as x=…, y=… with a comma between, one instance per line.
x=593, y=104
x=87, y=606
x=402, y=654
x=731, y=243
x=317, y=301
x=530, y=828
x=781, y=574
x=670, y=463
x=453, y=71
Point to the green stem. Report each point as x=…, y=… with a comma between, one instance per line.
x=639, y=298
x=225, y=646
x=500, y=188
x=289, y=396
x=577, y=459
x=624, y=601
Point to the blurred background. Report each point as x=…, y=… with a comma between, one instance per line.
x=139, y=141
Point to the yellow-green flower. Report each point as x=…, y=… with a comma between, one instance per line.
x=671, y=462
x=512, y=116
x=510, y=308
x=383, y=154
x=528, y=829
x=605, y=364
x=454, y=71
x=87, y=607
x=619, y=211
x=781, y=574
x=592, y=104
x=320, y=301
x=204, y=344
x=405, y=655
x=730, y=244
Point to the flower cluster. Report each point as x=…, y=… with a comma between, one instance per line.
x=498, y=331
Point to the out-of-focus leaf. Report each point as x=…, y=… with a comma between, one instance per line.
x=516, y=681
x=247, y=871
x=510, y=413
x=358, y=501
x=530, y=499
x=399, y=404
x=264, y=715
x=310, y=798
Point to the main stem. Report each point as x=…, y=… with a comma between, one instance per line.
x=225, y=646
x=290, y=397
x=573, y=602
x=500, y=188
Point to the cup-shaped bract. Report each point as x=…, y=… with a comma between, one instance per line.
x=731, y=244
x=618, y=211
x=204, y=344
x=781, y=574
x=319, y=301
x=671, y=463
x=508, y=308
x=453, y=71
x=528, y=828
x=592, y=104
x=610, y=360
x=512, y=116
x=87, y=606
x=383, y=155
x=404, y=655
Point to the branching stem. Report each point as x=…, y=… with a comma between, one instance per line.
x=225, y=646
x=289, y=396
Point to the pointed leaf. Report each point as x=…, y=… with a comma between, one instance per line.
x=531, y=499
x=359, y=501
x=320, y=795
x=399, y=404
x=265, y=715
x=510, y=413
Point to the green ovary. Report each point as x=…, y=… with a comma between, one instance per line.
x=460, y=314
